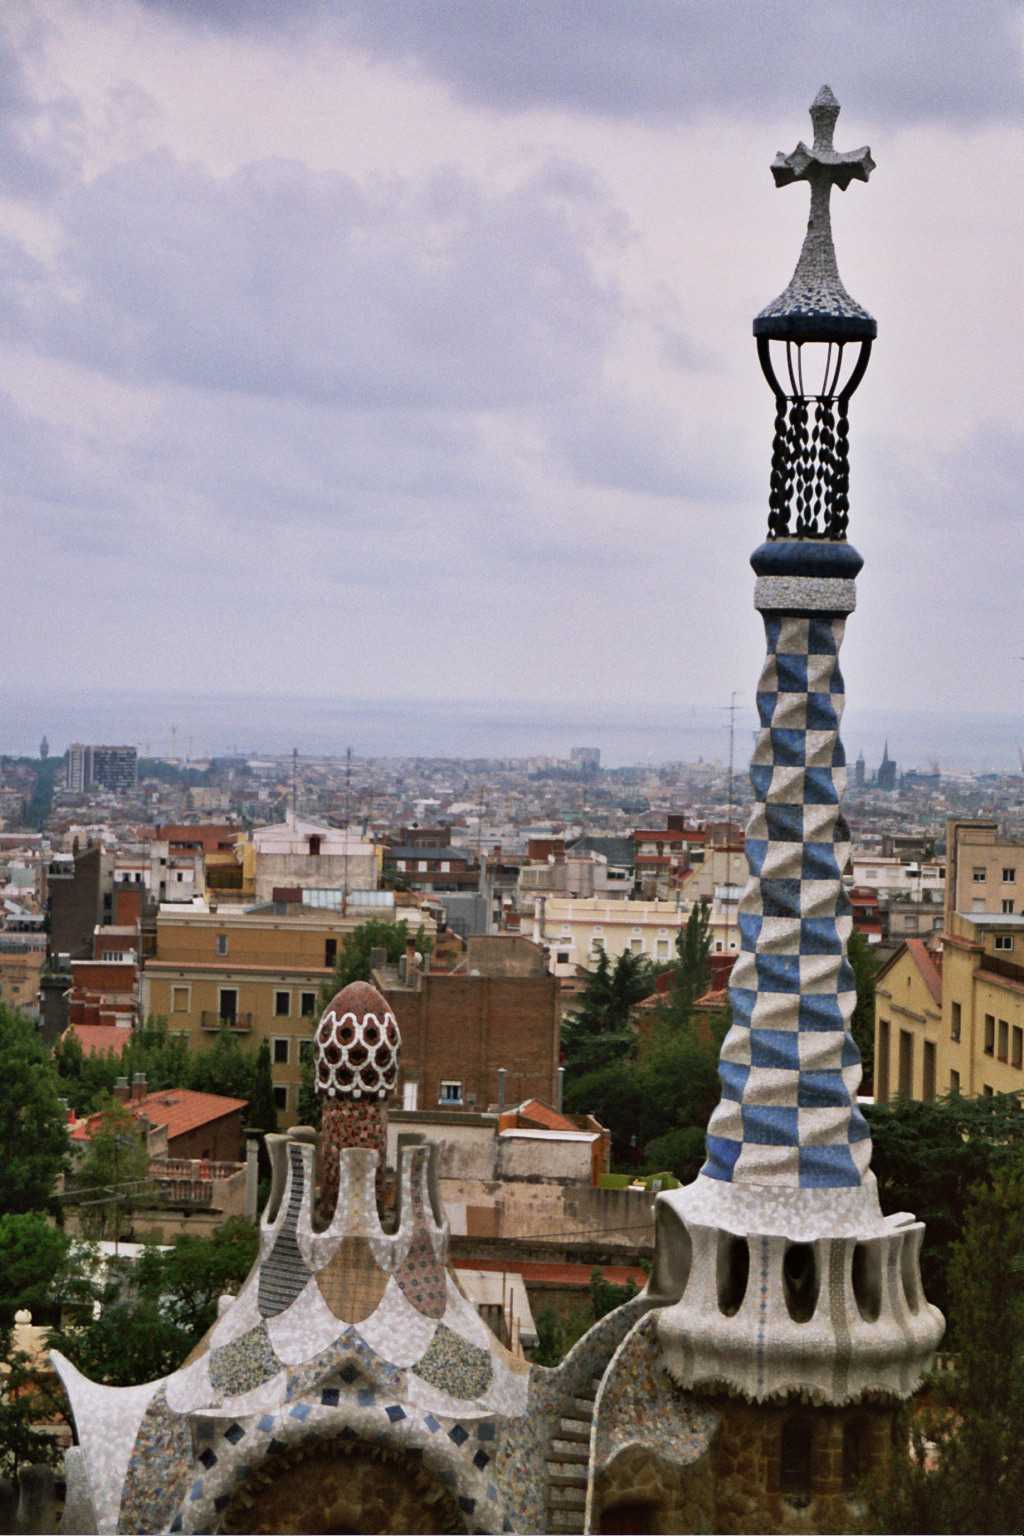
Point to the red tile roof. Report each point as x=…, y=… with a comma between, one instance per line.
x=930, y=973
x=179, y=1109
x=536, y=1112
x=95, y=1039
x=535, y=1272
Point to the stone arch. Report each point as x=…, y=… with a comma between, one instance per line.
x=342, y=1485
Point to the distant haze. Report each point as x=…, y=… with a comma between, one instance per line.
x=218, y=724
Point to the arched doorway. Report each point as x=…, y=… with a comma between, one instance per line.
x=327, y=1488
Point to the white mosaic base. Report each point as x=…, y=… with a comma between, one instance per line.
x=305, y=1329
x=396, y=1330
x=107, y=1420
x=793, y=594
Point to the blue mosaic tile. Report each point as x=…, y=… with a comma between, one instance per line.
x=481, y=1460
x=468, y=1505
x=208, y=1459
x=458, y=1434
x=300, y=1412
x=485, y=1431
x=234, y=1434
x=266, y=1423
x=395, y=1413
x=196, y=1491
x=432, y=1424
x=492, y=1493
x=348, y=1374
x=329, y=1397
x=366, y=1398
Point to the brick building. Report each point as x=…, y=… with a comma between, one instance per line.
x=500, y=1009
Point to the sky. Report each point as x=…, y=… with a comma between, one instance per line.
x=391, y=350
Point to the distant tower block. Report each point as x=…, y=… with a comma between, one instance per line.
x=44, y=749
x=356, y=1050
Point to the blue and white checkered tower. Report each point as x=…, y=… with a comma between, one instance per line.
x=791, y=1278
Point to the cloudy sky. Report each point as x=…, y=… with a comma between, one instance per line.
x=392, y=347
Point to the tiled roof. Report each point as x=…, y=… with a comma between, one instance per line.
x=535, y=1272
x=929, y=970
x=96, y=1039
x=538, y=1113
x=179, y=1109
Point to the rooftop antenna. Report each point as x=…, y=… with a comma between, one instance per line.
x=295, y=784
x=348, y=813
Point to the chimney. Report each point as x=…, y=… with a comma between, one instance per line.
x=560, y=1089
x=121, y=1089
x=139, y=1086
x=502, y=1075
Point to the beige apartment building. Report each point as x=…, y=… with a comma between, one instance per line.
x=576, y=931
x=953, y=1022
x=983, y=872
x=255, y=972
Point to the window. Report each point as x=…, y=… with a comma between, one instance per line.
x=662, y=949
x=955, y=1022
x=1003, y=941
x=990, y=1034
x=1017, y=1057
x=330, y=953
x=928, y=1085
x=282, y=1004
x=280, y=1053
x=636, y=946
x=179, y=999
x=305, y=1051
x=1009, y=876
x=446, y=866
x=280, y=1096
x=400, y=866
x=978, y=874
x=1004, y=1041
x=410, y=1095
x=1007, y=904
x=954, y=1082
x=314, y=846
x=562, y=957
x=228, y=1005
x=421, y=865
x=307, y=1004
x=222, y=943
x=451, y=1093
x=906, y=1068
x=987, y=1090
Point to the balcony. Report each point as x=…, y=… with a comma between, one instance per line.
x=240, y=1023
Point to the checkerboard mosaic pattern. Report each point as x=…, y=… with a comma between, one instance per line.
x=789, y=1067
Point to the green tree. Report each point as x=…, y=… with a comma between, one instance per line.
x=862, y=1026
x=359, y=944
x=692, y=975
x=971, y=1478
x=601, y=1030
x=199, y=1269
x=929, y=1157
x=310, y=1105
x=34, y=1259
x=106, y=1184
x=262, y=1112
x=33, y=1127
x=223, y=1067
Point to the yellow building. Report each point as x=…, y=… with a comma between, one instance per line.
x=963, y=1033
x=984, y=873
x=255, y=972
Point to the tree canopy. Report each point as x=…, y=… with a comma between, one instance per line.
x=224, y=1066
x=108, y=1181
x=600, y=1031
x=33, y=1125
x=354, y=963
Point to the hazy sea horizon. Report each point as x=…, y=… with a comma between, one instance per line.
x=219, y=723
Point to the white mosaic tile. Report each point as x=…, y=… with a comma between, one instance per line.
x=396, y=1330
x=307, y=1327
x=107, y=1420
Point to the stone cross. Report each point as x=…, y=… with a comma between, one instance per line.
x=816, y=291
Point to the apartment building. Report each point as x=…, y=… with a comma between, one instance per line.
x=985, y=872
x=256, y=971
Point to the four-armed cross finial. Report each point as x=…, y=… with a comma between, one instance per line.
x=816, y=299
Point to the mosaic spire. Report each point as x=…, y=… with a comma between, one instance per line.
x=782, y=1225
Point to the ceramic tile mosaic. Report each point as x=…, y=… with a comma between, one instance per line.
x=640, y=1404
x=158, y=1470
x=190, y=1387
x=454, y=1365
x=307, y=1327
x=107, y=1420
x=283, y=1274
x=351, y=1283
x=397, y=1329
x=243, y=1364
x=241, y=1314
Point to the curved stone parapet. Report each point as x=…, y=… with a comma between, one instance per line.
x=833, y=1317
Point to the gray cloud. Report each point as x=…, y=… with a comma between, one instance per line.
x=917, y=59
x=283, y=281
